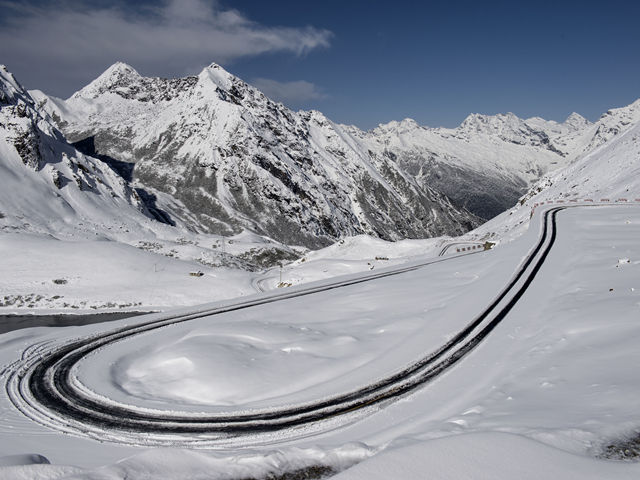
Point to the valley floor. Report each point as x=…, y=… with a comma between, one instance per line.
x=42, y=275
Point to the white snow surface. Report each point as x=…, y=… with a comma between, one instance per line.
x=543, y=395
x=81, y=276
x=557, y=370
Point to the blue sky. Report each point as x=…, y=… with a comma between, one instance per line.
x=359, y=62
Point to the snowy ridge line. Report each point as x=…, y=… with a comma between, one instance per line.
x=85, y=414
x=80, y=414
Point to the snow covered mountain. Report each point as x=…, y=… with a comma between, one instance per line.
x=488, y=162
x=52, y=194
x=46, y=184
x=226, y=158
x=550, y=374
x=609, y=171
x=238, y=160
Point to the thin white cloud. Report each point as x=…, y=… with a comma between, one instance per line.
x=293, y=94
x=63, y=41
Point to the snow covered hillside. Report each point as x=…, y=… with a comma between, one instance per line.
x=545, y=385
x=47, y=185
x=236, y=160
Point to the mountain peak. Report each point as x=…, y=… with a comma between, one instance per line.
x=215, y=66
x=576, y=120
x=396, y=127
x=218, y=75
x=120, y=69
x=118, y=75
x=629, y=111
x=409, y=123
x=480, y=123
x=10, y=88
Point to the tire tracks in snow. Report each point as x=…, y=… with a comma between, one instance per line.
x=43, y=387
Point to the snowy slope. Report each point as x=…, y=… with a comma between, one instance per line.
x=238, y=160
x=486, y=456
x=549, y=374
x=45, y=183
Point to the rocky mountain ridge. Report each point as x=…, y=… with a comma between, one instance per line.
x=488, y=162
x=51, y=191
x=238, y=160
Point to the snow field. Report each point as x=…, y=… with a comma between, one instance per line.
x=46, y=275
x=550, y=372
x=350, y=255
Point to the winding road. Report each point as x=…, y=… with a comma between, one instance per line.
x=43, y=387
